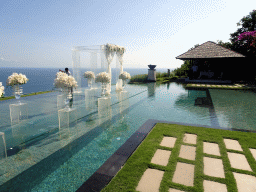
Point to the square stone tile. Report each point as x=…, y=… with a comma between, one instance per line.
x=232, y=144
x=213, y=167
x=161, y=157
x=175, y=190
x=245, y=183
x=168, y=142
x=189, y=138
x=239, y=161
x=150, y=181
x=253, y=151
x=184, y=174
x=211, y=186
x=187, y=152
x=211, y=148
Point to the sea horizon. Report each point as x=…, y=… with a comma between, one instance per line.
x=42, y=79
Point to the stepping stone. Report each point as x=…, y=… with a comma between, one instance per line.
x=208, y=85
x=253, y=151
x=211, y=148
x=213, y=167
x=245, y=183
x=219, y=85
x=161, y=157
x=184, y=174
x=168, y=142
x=150, y=181
x=232, y=144
x=211, y=186
x=187, y=152
x=189, y=138
x=239, y=161
x=175, y=190
x=198, y=85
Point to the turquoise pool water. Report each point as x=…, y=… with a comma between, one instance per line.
x=43, y=157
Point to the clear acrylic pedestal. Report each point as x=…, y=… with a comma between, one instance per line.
x=91, y=98
x=61, y=101
x=66, y=117
x=18, y=112
x=3, y=151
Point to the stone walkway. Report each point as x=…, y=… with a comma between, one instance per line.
x=215, y=86
x=184, y=173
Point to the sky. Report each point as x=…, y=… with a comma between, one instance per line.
x=41, y=34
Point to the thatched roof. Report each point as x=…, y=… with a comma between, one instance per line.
x=209, y=50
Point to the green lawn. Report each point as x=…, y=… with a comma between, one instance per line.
x=12, y=97
x=129, y=176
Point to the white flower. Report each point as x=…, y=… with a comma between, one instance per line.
x=1, y=89
x=124, y=76
x=16, y=79
x=115, y=48
x=103, y=78
x=64, y=81
x=89, y=75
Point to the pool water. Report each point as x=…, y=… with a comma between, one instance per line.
x=43, y=157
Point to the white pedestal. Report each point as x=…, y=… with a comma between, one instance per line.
x=18, y=112
x=61, y=101
x=152, y=75
x=67, y=116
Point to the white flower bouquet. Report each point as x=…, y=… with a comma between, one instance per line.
x=1, y=89
x=115, y=48
x=89, y=75
x=64, y=81
x=124, y=76
x=103, y=78
x=16, y=79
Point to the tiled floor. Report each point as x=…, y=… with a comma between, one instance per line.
x=184, y=173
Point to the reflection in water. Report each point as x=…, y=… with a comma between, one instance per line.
x=168, y=86
x=151, y=89
x=115, y=131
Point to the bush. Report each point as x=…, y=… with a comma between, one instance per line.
x=139, y=78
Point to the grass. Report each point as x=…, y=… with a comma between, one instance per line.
x=12, y=97
x=129, y=176
x=222, y=87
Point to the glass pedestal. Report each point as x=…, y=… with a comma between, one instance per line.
x=18, y=112
x=61, y=101
x=3, y=151
x=104, y=109
x=66, y=117
x=91, y=98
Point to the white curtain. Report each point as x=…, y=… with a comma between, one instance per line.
x=109, y=56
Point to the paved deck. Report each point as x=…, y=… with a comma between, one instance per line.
x=184, y=173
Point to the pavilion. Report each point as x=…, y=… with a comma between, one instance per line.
x=214, y=62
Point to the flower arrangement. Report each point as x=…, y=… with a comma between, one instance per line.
x=124, y=76
x=64, y=81
x=89, y=75
x=1, y=89
x=115, y=48
x=103, y=78
x=16, y=79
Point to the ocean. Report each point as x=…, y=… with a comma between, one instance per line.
x=42, y=79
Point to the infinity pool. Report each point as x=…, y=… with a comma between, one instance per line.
x=42, y=156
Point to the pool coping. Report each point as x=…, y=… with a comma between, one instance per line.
x=112, y=165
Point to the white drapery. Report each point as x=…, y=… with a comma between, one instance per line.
x=119, y=83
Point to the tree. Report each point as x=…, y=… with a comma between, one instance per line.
x=241, y=40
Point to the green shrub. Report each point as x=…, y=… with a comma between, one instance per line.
x=139, y=78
